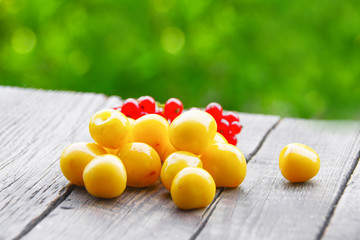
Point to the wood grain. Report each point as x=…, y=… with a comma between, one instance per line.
x=266, y=206
x=138, y=213
x=254, y=128
x=345, y=222
x=35, y=126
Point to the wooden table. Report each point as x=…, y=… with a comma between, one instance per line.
x=36, y=201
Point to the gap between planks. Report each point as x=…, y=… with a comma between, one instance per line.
x=207, y=214
x=339, y=195
x=64, y=193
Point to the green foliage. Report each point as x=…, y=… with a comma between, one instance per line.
x=293, y=58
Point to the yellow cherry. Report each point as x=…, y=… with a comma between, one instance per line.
x=115, y=150
x=298, y=162
x=142, y=164
x=105, y=176
x=225, y=163
x=219, y=138
x=174, y=163
x=75, y=157
x=110, y=128
x=152, y=129
x=192, y=131
x=192, y=188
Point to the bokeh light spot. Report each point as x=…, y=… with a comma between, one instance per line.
x=172, y=39
x=79, y=63
x=23, y=40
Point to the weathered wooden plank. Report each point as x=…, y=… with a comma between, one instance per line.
x=266, y=206
x=345, y=222
x=35, y=126
x=254, y=127
x=138, y=213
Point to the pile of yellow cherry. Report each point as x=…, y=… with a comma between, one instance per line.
x=189, y=156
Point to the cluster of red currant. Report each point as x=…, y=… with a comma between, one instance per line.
x=146, y=105
x=228, y=122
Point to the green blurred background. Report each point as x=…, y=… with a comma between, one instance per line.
x=292, y=58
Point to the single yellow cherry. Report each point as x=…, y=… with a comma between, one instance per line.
x=142, y=164
x=75, y=157
x=110, y=128
x=152, y=129
x=192, y=131
x=225, y=163
x=105, y=176
x=116, y=150
x=192, y=188
x=174, y=163
x=298, y=162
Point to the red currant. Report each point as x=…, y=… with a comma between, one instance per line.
x=215, y=110
x=131, y=108
x=173, y=108
x=223, y=127
x=147, y=104
x=231, y=117
x=235, y=127
x=232, y=139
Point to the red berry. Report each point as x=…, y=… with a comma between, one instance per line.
x=215, y=110
x=147, y=104
x=223, y=127
x=131, y=108
x=232, y=139
x=231, y=117
x=235, y=127
x=173, y=108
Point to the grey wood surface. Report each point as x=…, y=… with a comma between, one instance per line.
x=268, y=207
x=345, y=223
x=35, y=126
x=36, y=201
x=147, y=213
